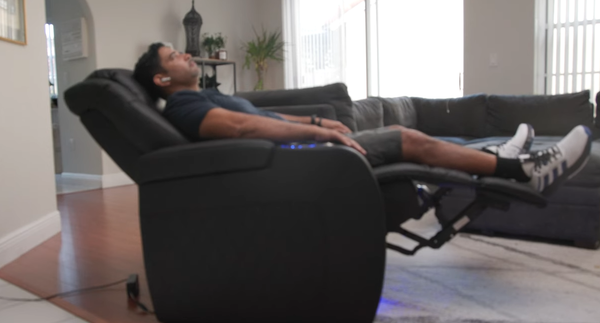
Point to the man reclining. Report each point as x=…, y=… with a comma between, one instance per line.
x=208, y=114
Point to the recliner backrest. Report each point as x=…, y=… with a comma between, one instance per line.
x=121, y=117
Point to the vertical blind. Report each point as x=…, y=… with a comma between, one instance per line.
x=572, y=52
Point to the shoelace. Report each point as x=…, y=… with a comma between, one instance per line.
x=501, y=146
x=498, y=147
x=544, y=157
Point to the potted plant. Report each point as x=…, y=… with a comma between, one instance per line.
x=264, y=47
x=212, y=43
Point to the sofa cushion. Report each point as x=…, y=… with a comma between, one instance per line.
x=550, y=115
x=368, y=114
x=460, y=117
x=399, y=111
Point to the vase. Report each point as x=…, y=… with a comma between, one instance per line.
x=193, y=24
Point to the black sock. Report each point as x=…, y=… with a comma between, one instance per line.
x=511, y=168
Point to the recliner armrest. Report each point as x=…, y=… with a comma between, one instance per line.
x=205, y=158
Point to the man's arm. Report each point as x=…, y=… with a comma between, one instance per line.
x=303, y=120
x=325, y=123
x=220, y=123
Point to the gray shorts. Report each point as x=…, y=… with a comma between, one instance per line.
x=383, y=145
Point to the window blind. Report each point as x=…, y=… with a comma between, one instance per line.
x=572, y=52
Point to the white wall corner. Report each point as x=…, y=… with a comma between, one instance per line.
x=115, y=180
x=19, y=242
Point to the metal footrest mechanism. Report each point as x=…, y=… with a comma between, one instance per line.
x=449, y=230
x=490, y=192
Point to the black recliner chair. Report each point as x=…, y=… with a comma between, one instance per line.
x=257, y=231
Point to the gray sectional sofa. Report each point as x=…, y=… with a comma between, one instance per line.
x=573, y=213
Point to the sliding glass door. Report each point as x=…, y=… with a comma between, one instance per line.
x=327, y=44
x=419, y=47
x=413, y=47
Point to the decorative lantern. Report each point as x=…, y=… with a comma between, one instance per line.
x=192, y=23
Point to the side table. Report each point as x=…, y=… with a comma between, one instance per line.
x=203, y=62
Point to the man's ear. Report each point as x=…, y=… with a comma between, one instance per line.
x=162, y=80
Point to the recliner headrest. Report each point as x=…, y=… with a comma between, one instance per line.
x=125, y=78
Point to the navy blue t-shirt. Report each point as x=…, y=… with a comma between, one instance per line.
x=186, y=109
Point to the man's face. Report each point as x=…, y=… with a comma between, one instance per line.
x=179, y=67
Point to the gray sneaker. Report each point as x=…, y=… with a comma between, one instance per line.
x=518, y=145
x=551, y=167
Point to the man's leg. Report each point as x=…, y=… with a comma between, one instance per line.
x=544, y=170
x=419, y=148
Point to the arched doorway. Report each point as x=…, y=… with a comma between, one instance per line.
x=71, y=57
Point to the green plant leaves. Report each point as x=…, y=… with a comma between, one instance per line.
x=211, y=43
x=265, y=46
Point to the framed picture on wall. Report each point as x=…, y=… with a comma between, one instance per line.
x=13, y=27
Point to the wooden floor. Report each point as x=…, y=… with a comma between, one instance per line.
x=99, y=244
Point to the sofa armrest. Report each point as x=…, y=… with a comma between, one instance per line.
x=322, y=110
x=205, y=158
x=335, y=95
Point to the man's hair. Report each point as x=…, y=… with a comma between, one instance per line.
x=147, y=67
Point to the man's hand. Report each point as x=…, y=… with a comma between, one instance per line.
x=336, y=136
x=335, y=125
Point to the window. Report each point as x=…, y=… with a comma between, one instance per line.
x=51, y=54
x=376, y=47
x=328, y=44
x=419, y=48
x=572, y=46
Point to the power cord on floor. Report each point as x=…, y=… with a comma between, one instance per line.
x=133, y=291
x=78, y=291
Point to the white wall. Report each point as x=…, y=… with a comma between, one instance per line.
x=505, y=28
x=271, y=16
x=27, y=192
x=124, y=29
x=80, y=153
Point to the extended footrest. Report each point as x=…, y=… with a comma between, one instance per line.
x=496, y=193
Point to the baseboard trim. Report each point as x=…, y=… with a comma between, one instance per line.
x=82, y=177
x=115, y=180
x=19, y=242
x=104, y=181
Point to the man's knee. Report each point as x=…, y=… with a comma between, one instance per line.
x=397, y=127
x=414, y=137
x=416, y=144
